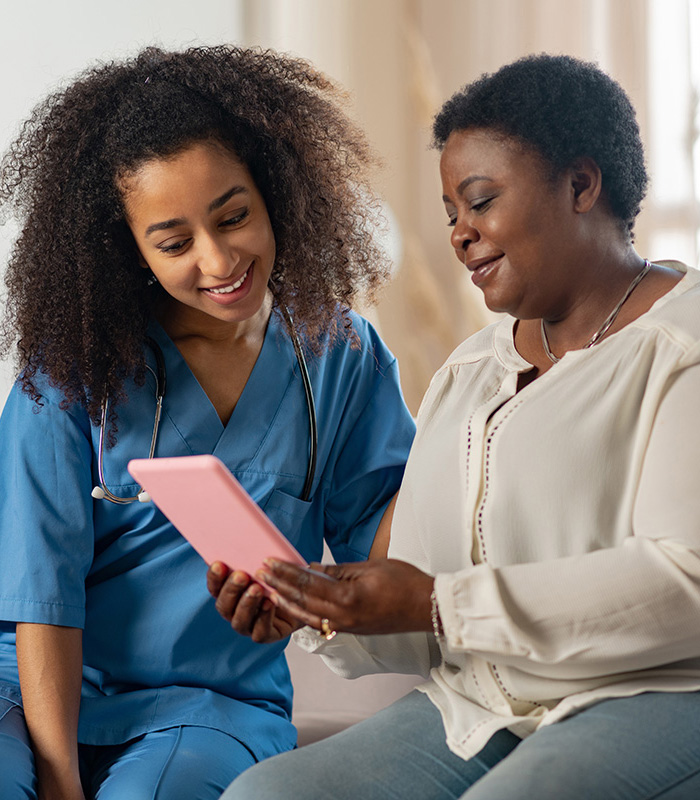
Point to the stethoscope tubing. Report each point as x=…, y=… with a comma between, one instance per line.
x=101, y=492
x=310, y=405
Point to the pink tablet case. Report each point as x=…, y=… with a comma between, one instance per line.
x=213, y=511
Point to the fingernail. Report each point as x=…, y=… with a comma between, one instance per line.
x=240, y=578
x=218, y=568
x=271, y=562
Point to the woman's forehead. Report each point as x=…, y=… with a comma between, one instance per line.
x=485, y=153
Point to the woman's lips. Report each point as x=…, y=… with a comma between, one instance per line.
x=481, y=271
x=226, y=294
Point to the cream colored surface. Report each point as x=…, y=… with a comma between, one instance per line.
x=589, y=581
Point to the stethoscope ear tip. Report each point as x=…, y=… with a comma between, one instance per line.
x=144, y=497
x=98, y=493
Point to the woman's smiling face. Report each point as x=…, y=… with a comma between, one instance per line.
x=512, y=223
x=202, y=227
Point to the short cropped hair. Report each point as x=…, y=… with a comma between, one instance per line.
x=563, y=109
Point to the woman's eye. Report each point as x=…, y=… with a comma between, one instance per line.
x=236, y=218
x=481, y=205
x=451, y=222
x=175, y=247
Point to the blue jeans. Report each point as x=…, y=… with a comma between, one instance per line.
x=635, y=748
x=185, y=763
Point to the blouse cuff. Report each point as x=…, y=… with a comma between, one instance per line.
x=312, y=640
x=452, y=611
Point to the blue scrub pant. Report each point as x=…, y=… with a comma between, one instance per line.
x=635, y=748
x=185, y=763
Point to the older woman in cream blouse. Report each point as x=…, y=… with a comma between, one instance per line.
x=544, y=570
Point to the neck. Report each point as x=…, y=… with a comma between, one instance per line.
x=181, y=322
x=600, y=283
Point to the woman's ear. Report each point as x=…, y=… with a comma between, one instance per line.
x=586, y=183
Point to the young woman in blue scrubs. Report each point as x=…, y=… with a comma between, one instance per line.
x=193, y=208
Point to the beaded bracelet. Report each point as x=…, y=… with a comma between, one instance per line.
x=435, y=617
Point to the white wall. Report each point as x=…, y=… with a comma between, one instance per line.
x=44, y=42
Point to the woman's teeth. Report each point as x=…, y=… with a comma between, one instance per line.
x=232, y=287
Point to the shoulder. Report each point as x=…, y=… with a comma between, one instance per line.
x=476, y=361
x=479, y=346
x=675, y=317
x=47, y=401
x=33, y=429
x=358, y=346
x=46, y=393
x=357, y=376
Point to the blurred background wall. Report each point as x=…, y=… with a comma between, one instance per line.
x=400, y=59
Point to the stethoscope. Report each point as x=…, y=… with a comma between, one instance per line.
x=101, y=492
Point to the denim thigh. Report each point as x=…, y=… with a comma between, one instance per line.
x=400, y=752
x=634, y=748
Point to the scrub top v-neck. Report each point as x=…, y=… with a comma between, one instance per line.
x=259, y=401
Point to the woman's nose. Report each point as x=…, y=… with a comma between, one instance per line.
x=217, y=260
x=463, y=234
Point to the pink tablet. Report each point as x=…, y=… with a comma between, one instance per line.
x=213, y=511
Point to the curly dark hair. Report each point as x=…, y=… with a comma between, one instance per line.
x=563, y=109
x=78, y=301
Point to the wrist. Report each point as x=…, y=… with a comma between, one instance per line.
x=58, y=781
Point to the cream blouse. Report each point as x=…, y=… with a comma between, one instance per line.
x=562, y=524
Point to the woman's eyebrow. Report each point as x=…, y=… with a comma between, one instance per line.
x=162, y=226
x=220, y=201
x=471, y=179
x=466, y=183
x=226, y=196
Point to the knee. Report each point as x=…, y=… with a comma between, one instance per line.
x=261, y=781
x=281, y=776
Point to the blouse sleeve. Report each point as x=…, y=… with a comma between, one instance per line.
x=614, y=610
x=46, y=532
x=353, y=656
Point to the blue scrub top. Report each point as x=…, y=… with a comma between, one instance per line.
x=156, y=653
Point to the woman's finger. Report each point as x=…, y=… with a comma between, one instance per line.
x=314, y=580
x=248, y=609
x=302, y=614
x=263, y=629
x=231, y=592
x=216, y=576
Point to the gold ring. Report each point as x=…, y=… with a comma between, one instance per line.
x=326, y=631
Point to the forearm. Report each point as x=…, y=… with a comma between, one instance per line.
x=49, y=660
x=628, y=608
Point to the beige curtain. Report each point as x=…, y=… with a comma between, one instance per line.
x=401, y=59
